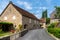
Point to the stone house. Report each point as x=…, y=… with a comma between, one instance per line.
x=52, y=17
x=43, y=22
x=17, y=15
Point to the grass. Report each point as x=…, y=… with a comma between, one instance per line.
x=4, y=33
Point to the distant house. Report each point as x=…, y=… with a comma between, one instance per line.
x=43, y=22
x=17, y=15
x=52, y=17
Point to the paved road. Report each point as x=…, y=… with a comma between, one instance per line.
x=39, y=34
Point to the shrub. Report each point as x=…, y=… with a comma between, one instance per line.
x=51, y=25
x=20, y=27
x=47, y=20
x=54, y=30
x=6, y=26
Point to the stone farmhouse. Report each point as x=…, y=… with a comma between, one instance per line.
x=43, y=22
x=17, y=15
x=52, y=17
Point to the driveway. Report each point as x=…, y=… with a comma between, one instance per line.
x=38, y=34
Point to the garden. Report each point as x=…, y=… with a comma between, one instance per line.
x=54, y=29
x=5, y=28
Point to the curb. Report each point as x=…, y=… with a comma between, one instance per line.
x=52, y=35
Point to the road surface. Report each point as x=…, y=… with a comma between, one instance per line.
x=38, y=34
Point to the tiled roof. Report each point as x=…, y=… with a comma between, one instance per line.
x=22, y=11
x=42, y=20
x=52, y=15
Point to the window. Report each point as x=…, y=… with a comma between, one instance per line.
x=25, y=26
x=14, y=17
x=29, y=20
x=5, y=18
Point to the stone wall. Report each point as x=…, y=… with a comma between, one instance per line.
x=15, y=36
x=11, y=15
x=32, y=25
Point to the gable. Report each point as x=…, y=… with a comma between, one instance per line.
x=13, y=7
x=9, y=12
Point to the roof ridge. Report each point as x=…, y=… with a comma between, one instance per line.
x=22, y=11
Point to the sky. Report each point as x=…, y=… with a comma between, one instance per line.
x=35, y=7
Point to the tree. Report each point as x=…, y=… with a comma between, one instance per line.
x=57, y=15
x=47, y=20
x=44, y=14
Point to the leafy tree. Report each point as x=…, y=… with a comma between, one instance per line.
x=44, y=14
x=57, y=15
x=47, y=20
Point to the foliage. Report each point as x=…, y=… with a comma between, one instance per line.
x=6, y=26
x=44, y=14
x=5, y=23
x=54, y=30
x=47, y=20
x=19, y=28
x=57, y=15
x=52, y=25
x=2, y=33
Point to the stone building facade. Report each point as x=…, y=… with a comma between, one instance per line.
x=52, y=17
x=16, y=15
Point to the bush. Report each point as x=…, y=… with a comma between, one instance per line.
x=51, y=25
x=6, y=26
x=54, y=30
x=57, y=32
x=20, y=27
x=47, y=20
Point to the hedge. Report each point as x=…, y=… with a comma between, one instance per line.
x=54, y=30
x=6, y=26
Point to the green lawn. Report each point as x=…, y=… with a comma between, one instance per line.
x=4, y=33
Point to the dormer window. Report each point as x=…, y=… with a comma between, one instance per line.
x=14, y=17
x=5, y=18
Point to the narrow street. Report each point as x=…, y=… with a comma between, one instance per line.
x=38, y=34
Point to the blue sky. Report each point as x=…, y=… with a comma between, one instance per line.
x=33, y=6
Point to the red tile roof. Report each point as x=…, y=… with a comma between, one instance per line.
x=43, y=20
x=22, y=11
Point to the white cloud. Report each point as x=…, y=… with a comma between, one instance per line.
x=37, y=11
x=25, y=4
x=44, y=8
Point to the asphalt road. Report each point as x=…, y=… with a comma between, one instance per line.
x=38, y=34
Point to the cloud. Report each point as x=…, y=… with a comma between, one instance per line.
x=44, y=8
x=25, y=4
x=37, y=11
